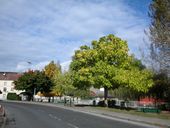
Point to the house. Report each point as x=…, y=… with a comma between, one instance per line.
x=7, y=84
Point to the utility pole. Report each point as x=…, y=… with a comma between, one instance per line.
x=34, y=94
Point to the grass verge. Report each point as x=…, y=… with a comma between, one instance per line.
x=135, y=112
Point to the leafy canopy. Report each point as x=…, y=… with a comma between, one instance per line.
x=63, y=84
x=34, y=79
x=161, y=88
x=106, y=63
x=52, y=69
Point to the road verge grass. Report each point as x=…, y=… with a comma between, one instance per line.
x=135, y=112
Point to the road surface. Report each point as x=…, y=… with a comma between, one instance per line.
x=20, y=115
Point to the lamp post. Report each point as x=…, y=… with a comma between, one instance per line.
x=34, y=94
x=29, y=69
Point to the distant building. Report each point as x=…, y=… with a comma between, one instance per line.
x=7, y=84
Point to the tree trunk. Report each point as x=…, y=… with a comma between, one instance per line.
x=139, y=97
x=105, y=96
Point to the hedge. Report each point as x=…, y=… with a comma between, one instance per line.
x=13, y=96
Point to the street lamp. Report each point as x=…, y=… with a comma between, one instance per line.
x=29, y=63
x=29, y=69
x=34, y=94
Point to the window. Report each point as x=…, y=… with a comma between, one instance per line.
x=12, y=84
x=5, y=83
x=4, y=89
x=12, y=88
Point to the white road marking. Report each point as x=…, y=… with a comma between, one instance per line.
x=54, y=117
x=57, y=118
x=50, y=115
x=72, y=125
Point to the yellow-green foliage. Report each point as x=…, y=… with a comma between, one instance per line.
x=107, y=63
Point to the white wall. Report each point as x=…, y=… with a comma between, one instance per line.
x=7, y=86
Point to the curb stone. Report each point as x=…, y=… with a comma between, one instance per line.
x=2, y=116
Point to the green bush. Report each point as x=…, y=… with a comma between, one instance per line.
x=101, y=103
x=13, y=96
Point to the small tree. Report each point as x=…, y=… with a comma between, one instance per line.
x=63, y=84
x=33, y=82
x=82, y=93
x=52, y=69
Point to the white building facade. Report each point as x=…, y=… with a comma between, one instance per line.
x=7, y=84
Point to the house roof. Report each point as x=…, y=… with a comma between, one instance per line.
x=9, y=75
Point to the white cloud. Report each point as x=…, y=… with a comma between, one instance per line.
x=40, y=65
x=25, y=66
x=22, y=66
x=40, y=31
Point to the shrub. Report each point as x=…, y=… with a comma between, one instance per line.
x=111, y=103
x=13, y=96
x=101, y=103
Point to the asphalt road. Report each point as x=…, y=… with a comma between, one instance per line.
x=20, y=115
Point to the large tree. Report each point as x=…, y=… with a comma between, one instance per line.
x=33, y=82
x=159, y=33
x=106, y=63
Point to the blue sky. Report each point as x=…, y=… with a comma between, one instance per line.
x=40, y=31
